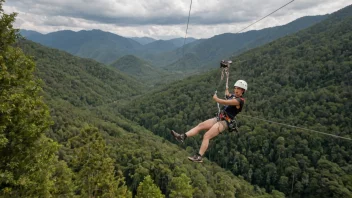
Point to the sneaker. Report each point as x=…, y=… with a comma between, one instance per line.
x=196, y=158
x=178, y=137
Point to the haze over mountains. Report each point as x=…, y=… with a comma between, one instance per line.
x=176, y=41
x=96, y=43
x=203, y=54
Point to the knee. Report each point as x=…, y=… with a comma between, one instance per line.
x=201, y=125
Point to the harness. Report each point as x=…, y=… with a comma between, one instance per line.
x=231, y=123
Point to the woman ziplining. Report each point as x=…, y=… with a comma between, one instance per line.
x=225, y=119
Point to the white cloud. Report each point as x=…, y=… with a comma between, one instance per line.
x=161, y=19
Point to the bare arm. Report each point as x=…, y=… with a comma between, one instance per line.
x=226, y=102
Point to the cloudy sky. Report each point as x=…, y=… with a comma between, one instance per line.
x=162, y=19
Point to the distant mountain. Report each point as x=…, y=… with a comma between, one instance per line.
x=152, y=51
x=132, y=65
x=179, y=41
x=211, y=51
x=141, y=70
x=189, y=63
x=143, y=40
x=159, y=46
x=96, y=44
x=102, y=46
x=31, y=34
x=107, y=47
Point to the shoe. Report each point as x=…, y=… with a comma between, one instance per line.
x=196, y=158
x=178, y=137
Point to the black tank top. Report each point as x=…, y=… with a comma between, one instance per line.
x=231, y=110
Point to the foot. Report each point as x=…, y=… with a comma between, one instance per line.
x=178, y=137
x=196, y=158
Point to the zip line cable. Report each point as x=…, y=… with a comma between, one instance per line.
x=265, y=16
x=184, y=41
x=292, y=126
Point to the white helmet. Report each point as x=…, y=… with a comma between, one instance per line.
x=241, y=84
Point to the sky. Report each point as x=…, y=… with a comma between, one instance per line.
x=162, y=19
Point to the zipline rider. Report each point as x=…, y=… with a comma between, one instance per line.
x=214, y=126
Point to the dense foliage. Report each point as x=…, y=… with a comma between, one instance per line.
x=28, y=164
x=136, y=153
x=302, y=80
x=80, y=81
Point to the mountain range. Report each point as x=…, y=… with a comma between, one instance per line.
x=107, y=47
x=178, y=42
x=102, y=46
x=210, y=51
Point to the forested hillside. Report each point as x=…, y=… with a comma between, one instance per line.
x=302, y=80
x=144, y=71
x=77, y=80
x=136, y=153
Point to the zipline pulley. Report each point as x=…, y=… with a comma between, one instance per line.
x=225, y=70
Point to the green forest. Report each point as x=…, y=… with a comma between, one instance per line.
x=73, y=127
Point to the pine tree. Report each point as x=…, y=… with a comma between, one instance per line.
x=64, y=186
x=147, y=189
x=96, y=171
x=181, y=187
x=27, y=157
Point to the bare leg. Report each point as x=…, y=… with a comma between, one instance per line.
x=212, y=132
x=201, y=126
